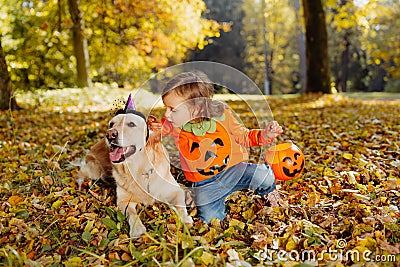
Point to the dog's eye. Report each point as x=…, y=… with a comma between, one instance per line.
x=111, y=124
x=131, y=124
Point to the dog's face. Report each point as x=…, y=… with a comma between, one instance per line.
x=126, y=135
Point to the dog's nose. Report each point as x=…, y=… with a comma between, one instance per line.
x=112, y=134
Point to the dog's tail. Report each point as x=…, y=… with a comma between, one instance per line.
x=81, y=163
x=91, y=169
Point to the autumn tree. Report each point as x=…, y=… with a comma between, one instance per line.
x=229, y=47
x=7, y=100
x=301, y=46
x=37, y=44
x=347, y=58
x=318, y=72
x=80, y=44
x=379, y=20
x=127, y=40
x=135, y=38
x=282, y=51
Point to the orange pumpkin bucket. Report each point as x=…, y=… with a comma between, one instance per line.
x=286, y=160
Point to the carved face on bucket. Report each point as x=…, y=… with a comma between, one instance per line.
x=292, y=165
x=286, y=160
x=210, y=156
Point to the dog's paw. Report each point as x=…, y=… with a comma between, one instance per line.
x=137, y=230
x=188, y=220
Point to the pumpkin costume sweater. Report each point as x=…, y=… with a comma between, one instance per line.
x=212, y=146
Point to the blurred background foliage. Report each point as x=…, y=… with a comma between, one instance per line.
x=129, y=40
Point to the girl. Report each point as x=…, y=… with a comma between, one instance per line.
x=212, y=145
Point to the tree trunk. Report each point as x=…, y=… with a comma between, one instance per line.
x=344, y=65
x=318, y=75
x=345, y=57
x=80, y=44
x=267, y=81
x=302, y=49
x=7, y=100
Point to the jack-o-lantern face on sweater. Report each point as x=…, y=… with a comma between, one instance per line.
x=210, y=156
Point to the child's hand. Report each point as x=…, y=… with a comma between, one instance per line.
x=153, y=123
x=272, y=130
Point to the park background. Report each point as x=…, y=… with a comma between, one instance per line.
x=63, y=64
x=349, y=45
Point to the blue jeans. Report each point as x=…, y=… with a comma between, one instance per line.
x=210, y=194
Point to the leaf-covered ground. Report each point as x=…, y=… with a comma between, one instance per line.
x=344, y=209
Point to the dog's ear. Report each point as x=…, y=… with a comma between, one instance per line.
x=154, y=139
x=155, y=135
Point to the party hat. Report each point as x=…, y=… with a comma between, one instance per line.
x=129, y=104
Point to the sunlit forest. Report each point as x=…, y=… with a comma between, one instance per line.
x=51, y=44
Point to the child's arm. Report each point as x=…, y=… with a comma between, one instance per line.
x=272, y=130
x=164, y=126
x=252, y=137
x=153, y=123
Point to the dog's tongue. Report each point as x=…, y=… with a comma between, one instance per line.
x=117, y=154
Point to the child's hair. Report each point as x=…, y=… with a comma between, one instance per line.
x=198, y=89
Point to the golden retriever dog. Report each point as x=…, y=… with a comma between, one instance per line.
x=140, y=167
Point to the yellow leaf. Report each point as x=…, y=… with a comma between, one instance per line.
x=216, y=225
x=238, y=223
x=207, y=258
x=229, y=231
x=15, y=200
x=347, y=156
x=368, y=242
x=352, y=178
x=364, y=133
x=362, y=197
x=210, y=235
x=249, y=214
x=89, y=226
x=73, y=262
x=291, y=244
x=293, y=127
x=72, y=221
x=57, y=204
x=378, y=174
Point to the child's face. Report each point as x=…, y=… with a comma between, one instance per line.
x=177, y=109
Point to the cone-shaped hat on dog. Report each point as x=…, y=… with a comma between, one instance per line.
x=129, y=104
